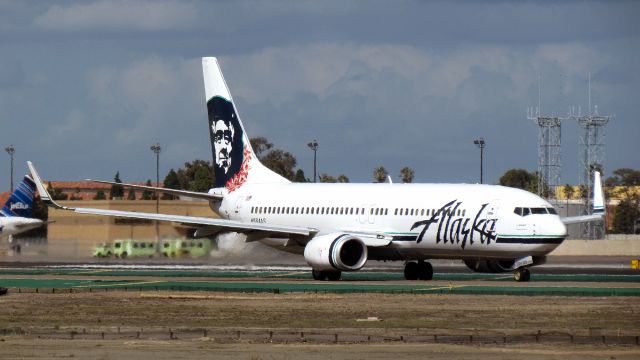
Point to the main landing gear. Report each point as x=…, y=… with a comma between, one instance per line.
x=326, y=275
x=418, y=270
x=521, y=275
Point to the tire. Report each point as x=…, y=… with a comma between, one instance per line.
x=522, y=275
x=411, y=270
x=425, y=270
x=318, y=275
x=333, y=275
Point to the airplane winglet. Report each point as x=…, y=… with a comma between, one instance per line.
x=44, y=194
x=598, y=194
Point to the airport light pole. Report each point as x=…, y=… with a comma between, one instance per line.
x=11, y=150
x=314, y=146
x=156, y=149
x=480, y=143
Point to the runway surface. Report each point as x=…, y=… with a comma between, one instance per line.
x=608, y=281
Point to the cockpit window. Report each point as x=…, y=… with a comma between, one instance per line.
x=523, y=211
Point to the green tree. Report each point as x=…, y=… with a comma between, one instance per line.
x=56, y=194
x=407, y=174
x=171, y=181
x=325, y=178
x=100, y=195
x=626, y=215
x=202, y=180
x=628, y=209
x=147, y=194
x=260, y=146
x=187, y=175
x=281, y=162
x=299, y=177
x=519, y=178
x=117, y=191
x=342, y=178
x=380, y=174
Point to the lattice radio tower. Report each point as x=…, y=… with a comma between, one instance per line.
x=549, y=150
x=592, y=153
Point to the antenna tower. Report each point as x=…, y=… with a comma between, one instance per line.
x=592, y=153
x=549, y=149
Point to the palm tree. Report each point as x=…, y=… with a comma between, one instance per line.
x=568, y=192
x=406, y=174
x=380, y=174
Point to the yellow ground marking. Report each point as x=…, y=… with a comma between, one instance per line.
x=121, y=284
x=449, y=287
x=289, y=274
x=96, y=271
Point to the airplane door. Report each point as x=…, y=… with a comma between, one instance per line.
x=362, y=217
x=367, y=215
x=492, y=209
x=238, y=204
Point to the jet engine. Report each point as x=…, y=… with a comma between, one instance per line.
x=497, y=266
x=336, y=251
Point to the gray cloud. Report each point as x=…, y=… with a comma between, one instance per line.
x=118, y=15
x=86, y=87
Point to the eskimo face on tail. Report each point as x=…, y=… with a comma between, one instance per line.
x=231, y=155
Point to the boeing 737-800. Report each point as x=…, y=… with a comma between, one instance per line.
x=339, y=227
x=15, y=216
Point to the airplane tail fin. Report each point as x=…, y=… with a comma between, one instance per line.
x=234, y=161
x=20, y=203
x=598, y=195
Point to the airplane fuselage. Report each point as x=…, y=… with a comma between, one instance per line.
x=17, y=225
x=422, y=220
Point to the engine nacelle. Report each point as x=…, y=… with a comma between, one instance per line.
x=498, y=266
x=336, y=251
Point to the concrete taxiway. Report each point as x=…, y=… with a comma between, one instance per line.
x=555, y=279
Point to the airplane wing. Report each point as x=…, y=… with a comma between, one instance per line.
x=191, y=194
x=598, y=210
x=209, y=226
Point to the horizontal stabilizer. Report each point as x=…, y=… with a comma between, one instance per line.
x=598, y=211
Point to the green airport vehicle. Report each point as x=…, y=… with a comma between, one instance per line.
x=185, y=247
x=124, y=248
x=103, y=250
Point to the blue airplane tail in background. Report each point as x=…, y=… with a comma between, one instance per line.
x=21, y=201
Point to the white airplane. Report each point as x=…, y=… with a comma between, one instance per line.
x=339, y=227
x=15, y=216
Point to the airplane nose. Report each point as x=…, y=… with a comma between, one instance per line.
x=558, y=228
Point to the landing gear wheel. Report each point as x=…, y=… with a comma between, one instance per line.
x=411, y=270
x=333, y=275
x=425, y=270
x=318, y=275
x=522, y=275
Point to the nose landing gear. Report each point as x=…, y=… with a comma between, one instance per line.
x=521, y=275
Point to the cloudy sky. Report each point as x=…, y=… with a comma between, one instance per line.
x=86, y=87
